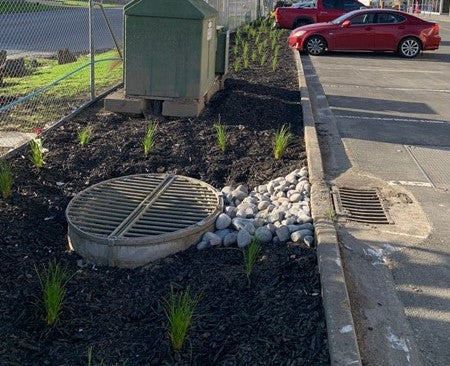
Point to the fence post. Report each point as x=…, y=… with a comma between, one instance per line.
x=91, y=48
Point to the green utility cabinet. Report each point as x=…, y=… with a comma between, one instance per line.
x=170, y=49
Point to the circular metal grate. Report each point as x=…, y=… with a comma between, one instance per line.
x=132, y=220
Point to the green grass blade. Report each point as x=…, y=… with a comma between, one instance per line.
x=179, y=310
x=37, y=152
x=52, y=280
x=251, y=255
x=282, y=139
x=84, y=136
x=221, y=135
x=149, y=139
x=6, y=180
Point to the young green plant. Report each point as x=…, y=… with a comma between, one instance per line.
x=37, y=152
x=179, y=310
x=221, y=134
x=275, y=58
x=250, y=256
x=149, y=139
x=254, y=55
x=245, y=55
x=282, y=139
x=263, y=59
x=235, y=50
x=84, y=136
x=53, y=280
x=237, y=64
x=6, y=180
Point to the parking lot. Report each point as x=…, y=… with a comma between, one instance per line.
x=393, y=115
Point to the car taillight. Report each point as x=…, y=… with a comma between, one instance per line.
x=276, y=14
x=436, y=29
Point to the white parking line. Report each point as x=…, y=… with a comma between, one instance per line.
x=378, y=69
x=387, y=88
x=394, y=119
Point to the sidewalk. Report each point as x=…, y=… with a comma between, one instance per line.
x=384, y=123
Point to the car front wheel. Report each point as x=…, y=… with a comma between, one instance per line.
x=409, y=47
x=315, y=46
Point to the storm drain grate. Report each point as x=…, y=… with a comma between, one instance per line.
x=141, y=210
x=360, y=205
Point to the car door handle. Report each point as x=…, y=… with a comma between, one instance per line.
x=368, y=28
x=401, y=27
x=323, y=12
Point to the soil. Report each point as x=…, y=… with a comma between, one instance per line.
x=276, y=319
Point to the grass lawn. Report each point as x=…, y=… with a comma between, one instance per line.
x=84, y=3
x=19, y=7
x=54, y=103
x=29, y=7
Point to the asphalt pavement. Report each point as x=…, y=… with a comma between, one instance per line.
x=48, y=31
x=393, y=116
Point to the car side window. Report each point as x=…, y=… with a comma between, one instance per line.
x=332, y=4
x=350, y=5
x=389, y=18
x=365, y=18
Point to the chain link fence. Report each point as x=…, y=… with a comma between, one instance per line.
x=54, y=57
x=57, y=56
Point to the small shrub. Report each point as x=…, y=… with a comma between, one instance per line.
x=37, y=152
x=53, y=280
x=221, y=134
x=179, y=310
x=149, y=139
x=6, y=180
x=84, y=135
x=250, y=256
x=282, y=139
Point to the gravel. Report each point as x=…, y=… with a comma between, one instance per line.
x=277, y=212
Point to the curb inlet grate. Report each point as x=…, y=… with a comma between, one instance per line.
x=136, y=214
x=360, y=205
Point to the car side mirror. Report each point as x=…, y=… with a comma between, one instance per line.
x=346, y=24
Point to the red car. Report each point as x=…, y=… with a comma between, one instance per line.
x=368, y=30
x=323, y=11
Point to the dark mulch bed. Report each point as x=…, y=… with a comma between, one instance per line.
x=278, y=320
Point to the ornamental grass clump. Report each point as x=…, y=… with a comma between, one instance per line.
x=149, y=139
x=53, y=280
x=179, y=310
x=282, y=139
x=250, y=256
x=6, y=180
x=37, y=153
x=84, y=135
x=221, y=134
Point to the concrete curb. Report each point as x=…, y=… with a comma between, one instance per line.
x=343, y=345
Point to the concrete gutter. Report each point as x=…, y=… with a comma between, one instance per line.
x=342, y=341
